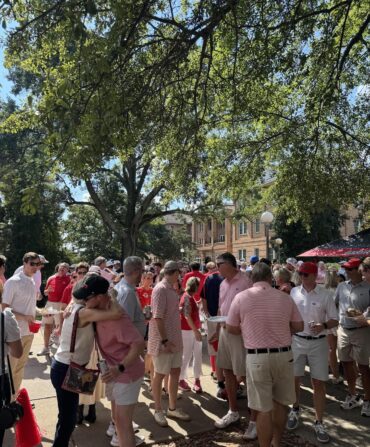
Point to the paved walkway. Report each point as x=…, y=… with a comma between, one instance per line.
x=347, y=429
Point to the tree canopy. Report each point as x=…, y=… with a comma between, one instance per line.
x=199, y=100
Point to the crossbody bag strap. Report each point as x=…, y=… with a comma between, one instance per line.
x=95, y=342
x=74, y=331
x=10, y=376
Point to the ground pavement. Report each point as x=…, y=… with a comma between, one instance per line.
x=347, y=429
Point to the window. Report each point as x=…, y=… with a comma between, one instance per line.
x=221, y=238
x=200, y=227
x=200, y=241
x=209, y=225
x=242, y=254
x=257, y=226
x=221, y=226
x=257, y=252
x=242, y=228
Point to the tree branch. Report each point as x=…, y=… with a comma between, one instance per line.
x=102, y=210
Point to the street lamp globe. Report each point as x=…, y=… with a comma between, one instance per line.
x=278, y=241
x=267, y=217
x=182, y=250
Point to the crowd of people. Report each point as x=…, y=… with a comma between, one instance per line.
x=264, y=324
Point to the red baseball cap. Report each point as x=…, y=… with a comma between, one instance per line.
x=308, y=267
x=353, y=263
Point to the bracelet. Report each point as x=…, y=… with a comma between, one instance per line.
x=163, y=342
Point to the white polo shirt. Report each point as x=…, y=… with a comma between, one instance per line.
x=36, y=277
x=20, y=294
x=317, y=305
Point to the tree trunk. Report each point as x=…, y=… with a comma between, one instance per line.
x=129, y=243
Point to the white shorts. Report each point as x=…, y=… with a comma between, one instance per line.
x=52, y=318
x=123, y=393
x=313, y=353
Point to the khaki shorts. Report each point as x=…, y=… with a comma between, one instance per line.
x=231, y=353
x=270, y=377
x=354, y=345
x=52, y=318
x=123, y=393
x=164, y=362
x=313, y=353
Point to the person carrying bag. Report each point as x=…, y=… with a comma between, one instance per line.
x=68, y=373
x=10, y=412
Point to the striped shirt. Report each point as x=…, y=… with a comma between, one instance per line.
x=230, y=288
x=165, y=306
x=264, y=315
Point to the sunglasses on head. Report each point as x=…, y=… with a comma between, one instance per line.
x=34, y=264
x=306, y=275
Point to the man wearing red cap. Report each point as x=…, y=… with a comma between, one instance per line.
x=310, y=346
x=353, y=338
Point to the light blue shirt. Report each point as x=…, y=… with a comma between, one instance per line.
x=130, y=303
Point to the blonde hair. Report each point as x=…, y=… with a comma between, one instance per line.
x=283, y=274
x=331, y=279
x=192, y=285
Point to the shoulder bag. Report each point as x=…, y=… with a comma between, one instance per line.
x=79, y=379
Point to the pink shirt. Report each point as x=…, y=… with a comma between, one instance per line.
x=228, y=290
x=165, y=305
x=264, y=315
x=115, y=338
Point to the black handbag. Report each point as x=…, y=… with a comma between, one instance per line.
x=10, y=412
x=79, y=379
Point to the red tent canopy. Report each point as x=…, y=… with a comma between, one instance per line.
x=357, y=245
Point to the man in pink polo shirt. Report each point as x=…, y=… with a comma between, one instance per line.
x=165, y=344
x=266, y=318
x=230, y=354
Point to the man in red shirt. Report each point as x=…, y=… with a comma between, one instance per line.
x=195, y=272
x=54, y=289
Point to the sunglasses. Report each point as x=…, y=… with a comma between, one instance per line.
x=306, y=275
x=83, y=272
x=35, y=264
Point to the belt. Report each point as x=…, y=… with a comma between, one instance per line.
x=353, y=328
x=309, y=337
x=268, y=350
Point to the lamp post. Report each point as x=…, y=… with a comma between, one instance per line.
x=267, y=218
x=278, y=242
x=182, y=251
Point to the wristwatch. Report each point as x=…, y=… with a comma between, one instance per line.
x=325, y=325
x=121, y=368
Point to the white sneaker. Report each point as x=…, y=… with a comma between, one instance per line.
x=160, y=418
x=114, y=441
x=251, y=431
x=351, y=402
x=230, y=418
x=111, y=429
x=44, y=351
